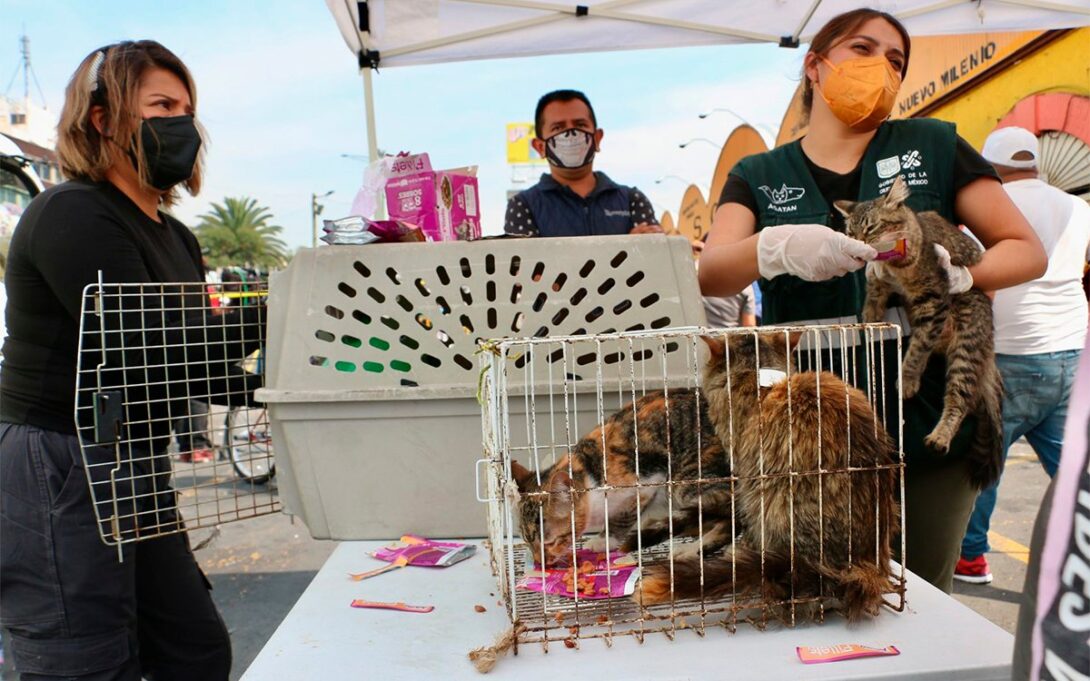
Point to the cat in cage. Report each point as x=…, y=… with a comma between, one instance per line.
x=957, y=325
x=663, y=433
x=799, y=528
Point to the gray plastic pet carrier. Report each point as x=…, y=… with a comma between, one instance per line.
x=372, y=377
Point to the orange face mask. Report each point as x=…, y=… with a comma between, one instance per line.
x=861, y=91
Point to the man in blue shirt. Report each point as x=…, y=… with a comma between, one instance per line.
x=572, y=199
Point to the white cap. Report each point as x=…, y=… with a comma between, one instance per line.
x=1004, y=144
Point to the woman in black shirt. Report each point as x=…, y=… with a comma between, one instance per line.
x=127, y=139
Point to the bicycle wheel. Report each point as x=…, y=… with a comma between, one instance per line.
x=248, y=442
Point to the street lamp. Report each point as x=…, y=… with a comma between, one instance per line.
x=315, y=211
x=680, y=179
x=732, y=112
x=705, y=140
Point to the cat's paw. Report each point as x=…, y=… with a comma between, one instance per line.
x=599, y=544
x=939, y=443
x=910, y=386
x=687, y=550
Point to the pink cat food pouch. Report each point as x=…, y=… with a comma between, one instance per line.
x=594, y=577
x=395, y=231
x=894, y=249
x=423, y=552
x=841, y=651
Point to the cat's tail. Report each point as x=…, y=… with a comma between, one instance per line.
x=736, y=571
x=986, y=450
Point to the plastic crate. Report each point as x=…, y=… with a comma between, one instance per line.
x=372, y=380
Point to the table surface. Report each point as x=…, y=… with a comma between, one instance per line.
x=324, y=638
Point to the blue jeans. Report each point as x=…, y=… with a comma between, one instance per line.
x=1036, y=389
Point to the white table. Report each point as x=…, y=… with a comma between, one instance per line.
x=323, y=638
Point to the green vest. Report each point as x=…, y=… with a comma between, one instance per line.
x=920, y=150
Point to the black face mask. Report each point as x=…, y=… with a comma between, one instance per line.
x=171, y=146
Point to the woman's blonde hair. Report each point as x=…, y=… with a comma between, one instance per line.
x=110, y=77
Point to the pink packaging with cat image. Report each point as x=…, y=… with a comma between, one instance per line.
x=456, y=205
x=443, y=204
x=596, y=577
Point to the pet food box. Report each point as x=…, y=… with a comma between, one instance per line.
x=442, y=203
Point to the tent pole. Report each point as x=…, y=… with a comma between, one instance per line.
x=369, y=104
x=372, y=140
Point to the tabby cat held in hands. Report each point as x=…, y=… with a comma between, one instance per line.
x=957, y=325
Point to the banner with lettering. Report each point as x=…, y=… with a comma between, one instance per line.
x=941, y=64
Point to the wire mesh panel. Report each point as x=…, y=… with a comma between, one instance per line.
x=171, y=437
x=763, y=485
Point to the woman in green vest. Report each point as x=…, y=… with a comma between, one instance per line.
x=776, y=223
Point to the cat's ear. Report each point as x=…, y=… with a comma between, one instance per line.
x=782, y=341
x=559, y=489
x=898, y=193
x=845, y=207
x=560, y=482
x=716, y=346
x=524, y=477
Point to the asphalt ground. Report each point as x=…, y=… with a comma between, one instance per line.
x=259, y=567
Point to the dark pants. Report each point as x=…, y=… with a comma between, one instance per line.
x=191, y=430
x=72, y=609
x=938, y=501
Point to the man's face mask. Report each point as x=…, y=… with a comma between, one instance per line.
x=171, y=145
x=571, y=148
x=861, y=91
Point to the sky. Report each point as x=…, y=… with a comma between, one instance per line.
x=279, y=93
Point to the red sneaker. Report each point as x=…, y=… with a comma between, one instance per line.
x=196, y=456
x=202, y=455
x=974, y=571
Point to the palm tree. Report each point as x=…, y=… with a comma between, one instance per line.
x=239, y=232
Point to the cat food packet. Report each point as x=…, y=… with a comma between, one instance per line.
x=423, y=552
x=353, y=224
x=840, y=652
x=395, y=231
x=595, y=577
x=349, y=239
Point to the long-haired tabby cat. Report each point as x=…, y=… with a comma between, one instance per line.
x=804, y=533
x=958, y=326
x=654, y=426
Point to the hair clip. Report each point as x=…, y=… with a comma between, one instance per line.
x=92, y=72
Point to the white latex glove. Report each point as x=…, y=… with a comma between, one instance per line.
x=810, y=252
x=959, y=277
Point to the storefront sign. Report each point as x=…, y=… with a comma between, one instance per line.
x=941, y=64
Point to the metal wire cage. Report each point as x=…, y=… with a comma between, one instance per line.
x=170, y=435
x=692, y=484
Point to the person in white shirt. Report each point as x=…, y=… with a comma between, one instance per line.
x=730, y=311
x=1040, y=326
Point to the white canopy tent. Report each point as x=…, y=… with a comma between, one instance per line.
x=388, y=33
